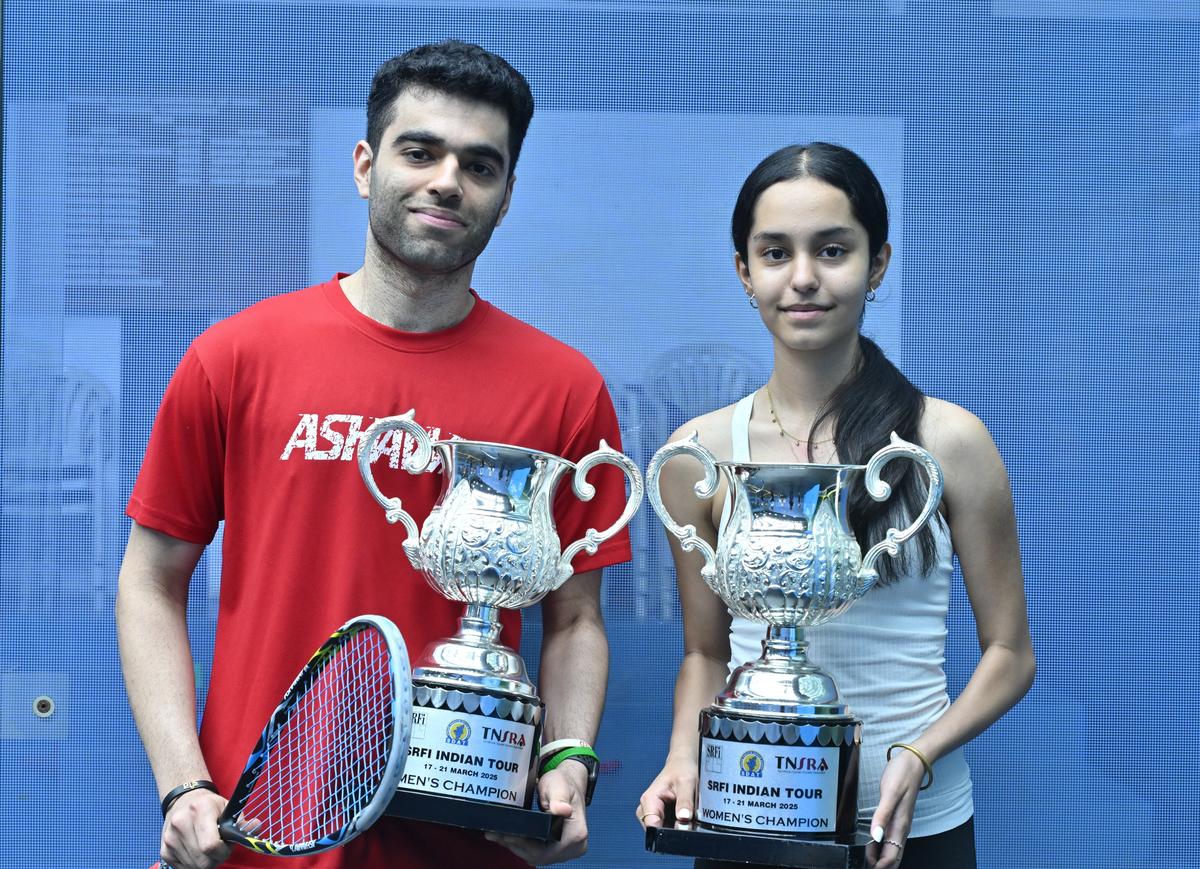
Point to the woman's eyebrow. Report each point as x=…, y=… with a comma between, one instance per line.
x=770, y=236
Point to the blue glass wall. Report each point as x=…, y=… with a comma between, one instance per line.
x=168, y=164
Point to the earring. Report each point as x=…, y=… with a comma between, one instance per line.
x=753, y=301
x=871, y=294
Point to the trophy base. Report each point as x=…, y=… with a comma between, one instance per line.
x=794, y=777
x=475, y=746
x=715, y=850
x=471, y=815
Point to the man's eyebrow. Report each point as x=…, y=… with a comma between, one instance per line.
x=420, y=137
x=425, y=137
x=488, y=152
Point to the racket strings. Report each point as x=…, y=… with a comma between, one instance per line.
x=328, y=758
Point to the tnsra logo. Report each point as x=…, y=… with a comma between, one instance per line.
x=751, y=764
x=458, y=732
x=497, y=736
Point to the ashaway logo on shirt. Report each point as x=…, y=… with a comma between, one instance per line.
x=337, y=436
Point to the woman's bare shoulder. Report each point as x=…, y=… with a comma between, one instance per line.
x=954, y=434
x=712, y=429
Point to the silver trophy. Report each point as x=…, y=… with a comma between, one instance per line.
x=490, y=542
x=779, y=748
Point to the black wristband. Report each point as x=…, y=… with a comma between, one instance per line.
x=176, y=793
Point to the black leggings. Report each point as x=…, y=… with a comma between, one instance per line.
x=953, y=849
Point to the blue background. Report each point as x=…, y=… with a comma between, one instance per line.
x=168, y=164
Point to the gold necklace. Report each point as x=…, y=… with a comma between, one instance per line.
x=783, y=432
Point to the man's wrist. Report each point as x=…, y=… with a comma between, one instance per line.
x=580, y=777
x=577, y=772
x=186, y=788
x=550, y=749
x=556, y=756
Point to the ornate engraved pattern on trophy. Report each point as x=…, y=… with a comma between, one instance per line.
x=788, y=557
x=483, y=546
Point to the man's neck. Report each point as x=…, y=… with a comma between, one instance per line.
x=392, y=294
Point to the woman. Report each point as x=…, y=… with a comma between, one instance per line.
x=810, y=234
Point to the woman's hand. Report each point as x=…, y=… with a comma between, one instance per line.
x=893, y=818
x=671, y=797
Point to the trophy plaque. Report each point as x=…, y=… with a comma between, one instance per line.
x=489, y=542
x=778, y=747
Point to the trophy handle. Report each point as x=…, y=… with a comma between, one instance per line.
x=419, y=461
x=706, y=488
x=879, y=489
x=584, y=490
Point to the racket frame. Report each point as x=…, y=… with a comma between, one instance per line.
x=394, y=769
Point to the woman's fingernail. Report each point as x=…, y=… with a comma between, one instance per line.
x=684, y=814
x=877, y=834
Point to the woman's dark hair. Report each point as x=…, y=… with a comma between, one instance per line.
x=459, y=69
x=875, y=399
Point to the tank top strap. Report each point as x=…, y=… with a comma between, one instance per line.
x=740, y=428
x=739, y=432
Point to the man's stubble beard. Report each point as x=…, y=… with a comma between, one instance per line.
x=427, y=255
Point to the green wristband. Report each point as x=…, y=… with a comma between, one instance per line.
x=555, y=759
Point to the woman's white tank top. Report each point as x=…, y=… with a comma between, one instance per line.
x=886, y=655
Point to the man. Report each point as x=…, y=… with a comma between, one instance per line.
x=260, y=426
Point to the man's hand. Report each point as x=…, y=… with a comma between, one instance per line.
x=560, y=792
x=190, y=838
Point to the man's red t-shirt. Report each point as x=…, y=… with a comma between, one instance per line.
x=259, y=427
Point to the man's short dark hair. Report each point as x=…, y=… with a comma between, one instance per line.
x=459, y=69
